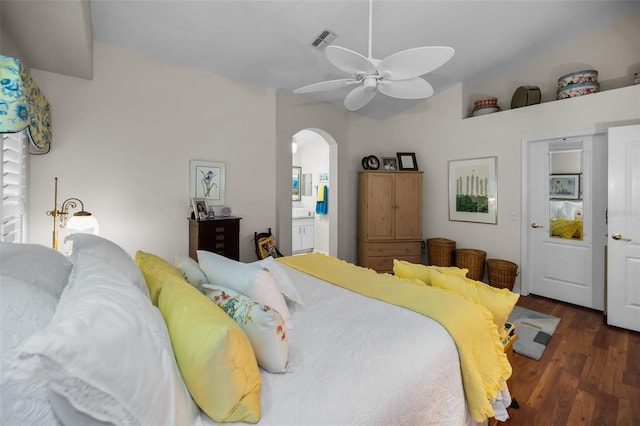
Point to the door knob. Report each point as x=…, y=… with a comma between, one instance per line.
x=619, y=237
x=535, y=225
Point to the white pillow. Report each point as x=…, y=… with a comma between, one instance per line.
x=35, y=264
x=107, y=351
x=263, y=326
x=191, y=271
x=111, y=253
x=279, y=274
x=24, y=310
x=249, y=279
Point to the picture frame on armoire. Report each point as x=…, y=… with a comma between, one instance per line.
x=407, y=161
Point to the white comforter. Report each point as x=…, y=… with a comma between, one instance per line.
x=360, y=361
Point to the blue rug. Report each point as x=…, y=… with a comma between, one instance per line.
x=534, y=331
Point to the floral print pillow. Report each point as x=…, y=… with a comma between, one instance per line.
x=263, y=325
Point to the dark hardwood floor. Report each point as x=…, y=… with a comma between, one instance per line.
x=588, y=375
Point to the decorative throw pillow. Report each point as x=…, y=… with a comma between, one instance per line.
x=111, y=253
x=267, y=247
x=108, y=353
x=280, y=275
x=404, y=269
x=154, y=269
x=215, y=356
x=35, y=264
x=248, y=279
x=264, y=326
x=499, y=301
x=190, y=271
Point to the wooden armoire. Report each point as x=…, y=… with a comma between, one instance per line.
x=389, y=218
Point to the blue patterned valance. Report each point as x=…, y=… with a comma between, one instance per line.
x=22, y=105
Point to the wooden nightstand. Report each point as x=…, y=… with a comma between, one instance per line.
x=220, y=235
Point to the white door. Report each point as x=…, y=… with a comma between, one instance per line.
x=623, y=260
x=562, y=268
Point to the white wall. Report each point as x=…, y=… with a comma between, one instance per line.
x=612, y=51
x=123, y=146
x=437, y=134
x=122, y=143
x=298, y=112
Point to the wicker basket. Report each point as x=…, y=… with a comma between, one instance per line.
x=473, y=260
x=502, y=273
x=440, y=251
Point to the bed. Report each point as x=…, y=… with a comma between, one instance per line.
x=84, y=343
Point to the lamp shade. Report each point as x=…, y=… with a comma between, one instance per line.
x=83, y=222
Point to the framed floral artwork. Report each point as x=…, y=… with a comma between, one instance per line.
x=206, y=180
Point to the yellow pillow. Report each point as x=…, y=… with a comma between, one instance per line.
x=214, y=355
x=154, y=269
x=499, y=301
x=564, y=228
x=404, y=269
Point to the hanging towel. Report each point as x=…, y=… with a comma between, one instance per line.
x=322, y=199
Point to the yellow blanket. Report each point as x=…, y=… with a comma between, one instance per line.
x=483, y=364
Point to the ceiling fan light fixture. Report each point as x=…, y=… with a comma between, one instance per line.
x=370, y=83
x=397, y=76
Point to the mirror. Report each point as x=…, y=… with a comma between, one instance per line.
x=565, y=193
x=296, y=174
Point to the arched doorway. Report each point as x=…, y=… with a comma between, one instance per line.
x=316, y=153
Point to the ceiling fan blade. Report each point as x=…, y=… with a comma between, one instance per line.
x=325, y=85
x=414, y=62
x=413, y=88
x=359, y=97
x=349, y=61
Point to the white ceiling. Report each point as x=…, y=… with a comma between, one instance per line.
x=268, y=42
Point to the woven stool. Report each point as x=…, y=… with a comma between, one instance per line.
x=502, y=273
x=473, y=260
x=440, y=251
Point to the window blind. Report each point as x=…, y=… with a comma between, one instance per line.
x=14, y=187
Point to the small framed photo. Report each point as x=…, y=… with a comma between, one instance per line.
x=564, y=186
x=200, y=208
x=407, y=161
x=389, y=163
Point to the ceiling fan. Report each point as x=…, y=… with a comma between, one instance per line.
x=397, y=75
